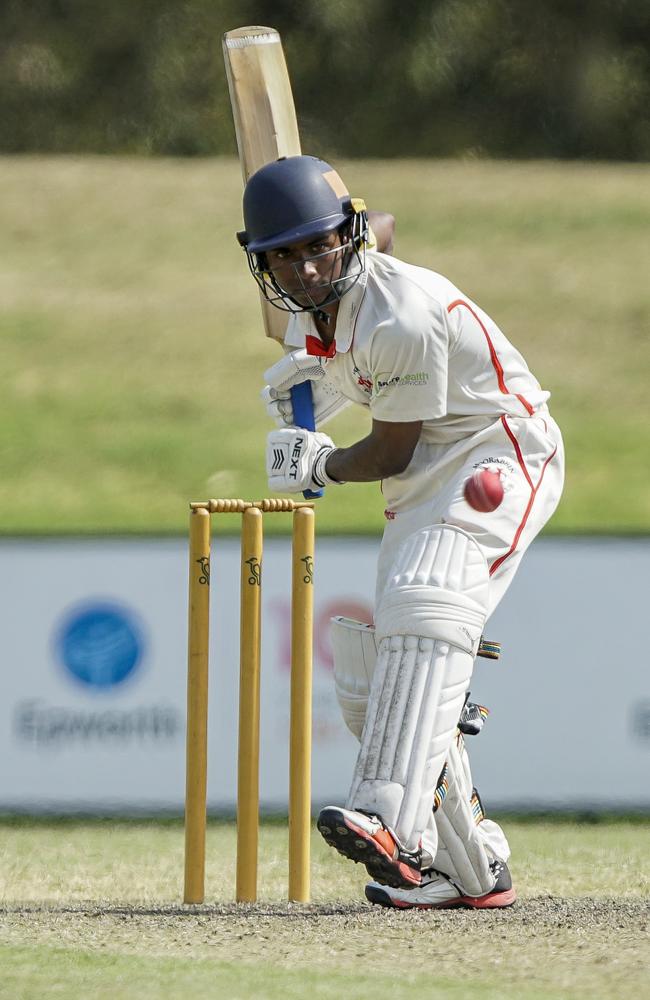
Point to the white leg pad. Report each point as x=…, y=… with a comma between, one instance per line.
x=355, y=656
x=490, y=832
x=465, y=847
x=428, y=623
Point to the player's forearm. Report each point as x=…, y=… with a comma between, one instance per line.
x=383, y=226
x=364, y=462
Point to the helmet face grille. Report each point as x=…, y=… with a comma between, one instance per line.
x=331, y=289
x=294, y=201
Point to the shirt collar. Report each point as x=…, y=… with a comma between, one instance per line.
x=316, y=348
x=345, y=323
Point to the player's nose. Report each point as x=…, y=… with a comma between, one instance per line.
x=307, y=268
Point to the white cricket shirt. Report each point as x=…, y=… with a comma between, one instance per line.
x=410, y=346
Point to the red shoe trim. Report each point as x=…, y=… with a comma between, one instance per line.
x=369, y=837
x=382, y=839
x=409, y=874
x=401, y=904
x=490, y=901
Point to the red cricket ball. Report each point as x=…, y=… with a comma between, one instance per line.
x=484, y=490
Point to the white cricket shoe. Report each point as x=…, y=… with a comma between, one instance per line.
x=437, y=892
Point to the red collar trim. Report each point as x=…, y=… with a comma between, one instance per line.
x=315, y=347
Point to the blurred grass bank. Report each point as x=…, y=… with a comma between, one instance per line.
x=132, y=351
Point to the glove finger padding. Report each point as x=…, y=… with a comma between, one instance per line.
x=327, y=401
x=294, y=368
x=278, y=406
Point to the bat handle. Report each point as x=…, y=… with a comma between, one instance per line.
x=303, y=416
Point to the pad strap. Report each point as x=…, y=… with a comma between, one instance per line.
x=466, y=841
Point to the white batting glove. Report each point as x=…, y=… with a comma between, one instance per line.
x=328, y=401
x=295, y=460
x=293, y=368
x=278, y=406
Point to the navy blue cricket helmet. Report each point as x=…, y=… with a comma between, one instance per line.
x=290, y=201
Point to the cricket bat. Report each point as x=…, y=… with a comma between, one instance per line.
x=266, y=129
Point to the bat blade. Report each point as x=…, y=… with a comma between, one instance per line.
x=264, y=115
x=261, y=97
x=266, y=128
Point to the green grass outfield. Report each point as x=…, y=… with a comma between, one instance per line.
x=91, y=909
x=132, y=351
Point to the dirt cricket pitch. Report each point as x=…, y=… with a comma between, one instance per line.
x=92, y=910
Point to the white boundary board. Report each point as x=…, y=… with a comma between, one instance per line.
x=570, y=698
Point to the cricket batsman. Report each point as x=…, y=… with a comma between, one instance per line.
x=448, y=394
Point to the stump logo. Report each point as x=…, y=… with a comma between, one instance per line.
x=100, y=644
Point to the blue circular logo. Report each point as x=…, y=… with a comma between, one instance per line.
x=100, y=644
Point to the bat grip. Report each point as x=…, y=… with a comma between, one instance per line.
x=302, y=402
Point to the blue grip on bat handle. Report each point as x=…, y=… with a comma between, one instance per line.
x=302, y=402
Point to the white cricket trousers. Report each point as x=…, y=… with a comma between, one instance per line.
x=529, y=454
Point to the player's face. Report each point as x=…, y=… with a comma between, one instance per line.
x=305, y=271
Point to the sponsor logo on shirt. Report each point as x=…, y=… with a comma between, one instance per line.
x=388, y=381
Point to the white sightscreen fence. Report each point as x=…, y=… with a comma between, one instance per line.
x=93, y=671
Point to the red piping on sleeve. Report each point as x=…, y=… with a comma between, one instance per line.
x=495, y=358
x=533, y=493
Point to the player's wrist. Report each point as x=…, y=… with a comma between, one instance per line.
x=320, y=474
